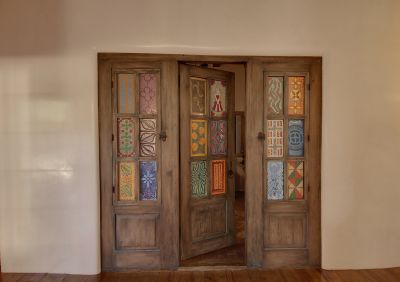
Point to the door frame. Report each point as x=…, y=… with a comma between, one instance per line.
x=254, y=222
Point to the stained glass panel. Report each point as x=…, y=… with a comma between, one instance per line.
x=296, y=138
x=218, y=98
x=199, y=137
x=218, y=137
x=126, y=181
x=148, y=180
x=218, y=169
x=275, y=138
x=275, y=95
x=198, y=95
x=147, y=137
x=275, y=180
x=295, y=175
x=296, y=95
x=126, y=137
x=148, y=93
x=199, y=179
x=126, y=92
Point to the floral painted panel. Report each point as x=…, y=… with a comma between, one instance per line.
x=126, y=137
x=296, y=137
x=148, y=180
x=295, y=175
x=296, y=95
x=275, y=180
x=218, y=169
x=218, y=98
x=126, y=92
x=147, y=137
x=218, y=137
x=199, y=137
x=198, y=95
x=275, y=95
x=199, y=179
x=148, y=93
x=275, y=138
x=126, y=181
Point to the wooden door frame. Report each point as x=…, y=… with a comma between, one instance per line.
x=254, y=226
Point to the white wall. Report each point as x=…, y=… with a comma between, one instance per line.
x=48, y=113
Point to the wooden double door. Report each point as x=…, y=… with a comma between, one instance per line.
x=166, y=160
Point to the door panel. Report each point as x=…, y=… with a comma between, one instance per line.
x=207, y=151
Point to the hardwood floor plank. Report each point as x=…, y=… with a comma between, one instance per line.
x=53, y=278
x=353, y=276
x=182, y=276
x=215, y=276
x=31, y=277
x=10, y=277
x=331, y=276
x=265, y=275
x=238, y=276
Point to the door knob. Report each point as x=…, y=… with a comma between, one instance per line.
x=261, y=136
x=163, y=136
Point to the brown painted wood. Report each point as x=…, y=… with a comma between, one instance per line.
x=207, y=224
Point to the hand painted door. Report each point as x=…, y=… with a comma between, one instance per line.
x=207, y=151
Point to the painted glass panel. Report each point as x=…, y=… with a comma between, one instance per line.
x=126, y=181
x=148, y=93
x=126, y=137
x=199, y=179
x=218, y=98
x=126, y=92
x=147, y=137
x=275, y=180
x=198, y=95
x=199, y=137
x=275, y=138
x=295, y=174
x=218, y=169
x=148, y=180
x=218, y=137
x=296, y=137
x=275, y=95
x=296, y=95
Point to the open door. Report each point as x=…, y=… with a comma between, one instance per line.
x=207, y=155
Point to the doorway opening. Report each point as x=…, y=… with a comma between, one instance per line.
x=228, y=251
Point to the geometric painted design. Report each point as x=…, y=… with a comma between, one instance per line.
x=295, y=179
x=126, y=137
x=275, y=180
x=275, y=138
x=126, y=181
x=296, y=137
x=218, y=137
x=198, y=137
x=148, y=93
x=199, y=179
x=218, y=169
x=148, y=180
x=218, y=98
x=147, y=137
x=198, y=95
x=126, y=92
x=275, y=95
x=296, y=95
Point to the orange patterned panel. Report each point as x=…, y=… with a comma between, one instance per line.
x=296, y=95
x=218, y=168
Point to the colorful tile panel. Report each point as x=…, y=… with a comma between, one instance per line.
x=148, y=180
x=148, y=93
x=199, y=137
x=218, y=129
x=218, y=169
x=274, y=138
x=126, y=137
x=218, y=98
x=126, y=92
x=295, y=174
x=275, y=95
x=148, y=137
x=126, y=181
x=198, y=96
x=199, y=179
x=296, y=138
x=275, y=180
x=296, y=95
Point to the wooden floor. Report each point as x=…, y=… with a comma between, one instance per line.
x=284, y=275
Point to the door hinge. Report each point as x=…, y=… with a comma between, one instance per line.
x=309, y=87
x=112, y=83
x=308, y=188
x=113, y=189
x=112, y=137
x=308, y=138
